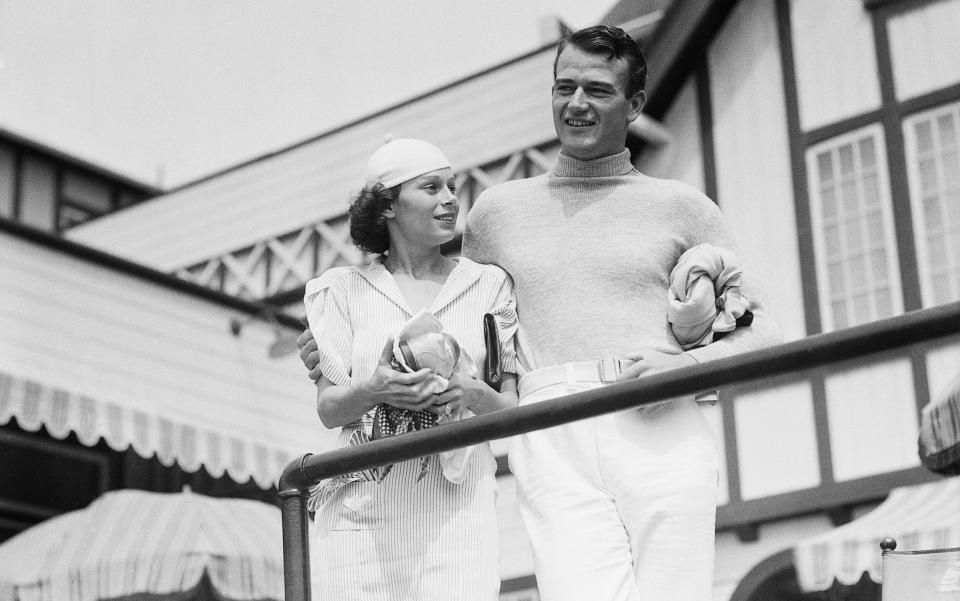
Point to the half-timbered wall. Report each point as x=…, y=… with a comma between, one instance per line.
x=752, y=159
x=836, y=64
x=681, y=157
x=923, y=49
x=791, y=127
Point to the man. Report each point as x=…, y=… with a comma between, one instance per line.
x=619, y=507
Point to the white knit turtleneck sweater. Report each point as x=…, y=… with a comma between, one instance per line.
x=590, y=246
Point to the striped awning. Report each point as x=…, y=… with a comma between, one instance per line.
x=919, y=517
x=149, y=429
x=131, y=542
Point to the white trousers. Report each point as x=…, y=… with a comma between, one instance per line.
x=620, y=507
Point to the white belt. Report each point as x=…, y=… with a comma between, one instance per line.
x=604, y=371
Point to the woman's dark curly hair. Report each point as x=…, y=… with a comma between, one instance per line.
x=368, y=226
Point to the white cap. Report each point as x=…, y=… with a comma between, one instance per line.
x=402, y=159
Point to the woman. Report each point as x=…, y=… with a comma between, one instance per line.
x=406, y=533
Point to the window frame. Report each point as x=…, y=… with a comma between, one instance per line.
x=890, y=244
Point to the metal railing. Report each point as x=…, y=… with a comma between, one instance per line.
x=814, y=351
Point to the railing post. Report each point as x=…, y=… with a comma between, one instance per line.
x=295, y=524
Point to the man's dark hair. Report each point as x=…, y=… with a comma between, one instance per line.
x=615, y=44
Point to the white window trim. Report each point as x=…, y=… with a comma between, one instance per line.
x=916, y=193
x=886, y=211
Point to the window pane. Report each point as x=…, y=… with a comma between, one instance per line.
x=829, y=203
x=946, y=128
x=71, y=216
x=858, y=272
x=852, y=231
x=840, y=315
x=7, y=178
x=846, y=159
x=37, y=196
x=924, y=136
x=856, y=265
x=861, y=308
x=935, y=200
x=128, y=198
x=928, y=175
x=875, y=226
x=832, y=238
x=941, y=289
x=825, y=166
x=87, y=192
x=951, y=169
x=849, y=191
x=871, y=195
x=931, y=212
x=836, y=279
x=884, y=304
x=937, y=250
x=867, y=154
x=878, y=261
x=952, y=200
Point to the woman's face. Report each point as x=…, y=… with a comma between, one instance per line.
x=425, y=211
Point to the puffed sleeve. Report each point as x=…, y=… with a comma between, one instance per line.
x=328, y=316
x=504, y=312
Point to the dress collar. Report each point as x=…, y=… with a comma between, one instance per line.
x=613, y=165
x=464, y=275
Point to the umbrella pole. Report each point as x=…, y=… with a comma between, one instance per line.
x=296, y=548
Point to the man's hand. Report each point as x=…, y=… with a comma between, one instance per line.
x=309, y=354
x=649, y=361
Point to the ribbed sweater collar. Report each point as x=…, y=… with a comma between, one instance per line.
x=617, y=164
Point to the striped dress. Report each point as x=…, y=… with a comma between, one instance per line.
x=402, y=538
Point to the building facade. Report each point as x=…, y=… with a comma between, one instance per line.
x=826, y=131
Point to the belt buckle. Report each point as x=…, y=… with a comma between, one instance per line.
x=609, y=369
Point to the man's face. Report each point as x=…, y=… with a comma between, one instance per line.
x=591, y=111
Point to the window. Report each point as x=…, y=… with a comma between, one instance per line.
x=7, y=181
x=38, y=193
x=856, y=255
x=933, y=164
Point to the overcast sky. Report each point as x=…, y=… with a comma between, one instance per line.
x=167, y=91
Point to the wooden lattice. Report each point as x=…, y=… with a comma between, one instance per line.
x=284, y=263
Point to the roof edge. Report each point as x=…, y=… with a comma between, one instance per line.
x=363, y=119
x=687, y=28
x=75, y=161
x=119, y=264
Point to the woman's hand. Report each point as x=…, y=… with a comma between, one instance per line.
x=411, y=391
x=476, y=395
x=341, y=405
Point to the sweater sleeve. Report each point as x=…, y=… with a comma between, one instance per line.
x=504, y=312
x=476, y=244
x=329, y=320
x=707, y=225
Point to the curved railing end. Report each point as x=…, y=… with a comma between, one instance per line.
x=291, y=480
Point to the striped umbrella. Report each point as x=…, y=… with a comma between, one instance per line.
x=133, y=543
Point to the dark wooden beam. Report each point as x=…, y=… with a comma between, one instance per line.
x=678, y=45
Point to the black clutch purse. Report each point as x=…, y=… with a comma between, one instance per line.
x=492, y=367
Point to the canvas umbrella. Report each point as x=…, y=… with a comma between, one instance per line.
x=133, y=544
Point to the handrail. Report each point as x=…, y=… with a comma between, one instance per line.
x=799, y=355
